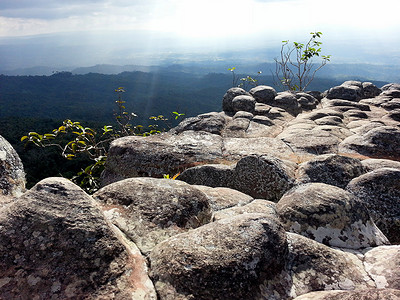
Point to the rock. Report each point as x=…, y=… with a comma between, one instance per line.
x=223, y=198
x=382, y=264
x=306, y=101
x=264, y=176
x=227, y=259
x=213, y=175
x=229, y=96
x=263, y=93
x=370, y=90
x=334, y=103
x=391, y=86
x=369, y=294
x=329, y=120
x=136, y=156
x=375, y=163
x=351, y=93
x=311, y=266
x=380, y=192
x=243, y=114
x=288, y=102
x=329, y=215
x=150, y=210
x=331, y=169
x=380, y=142
x=244, y=103
x=12, y=175
x=211, y=122
x=56, y=244
x=237, y=148
x=314, y=141
x=257, y=206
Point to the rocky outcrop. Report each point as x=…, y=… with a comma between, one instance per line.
x=12, y=175
x=227, y=259
x=329, y=215
x=264, y=176
x=280, y=196
x=56, y=244
x=150, y=210
x=380, y=192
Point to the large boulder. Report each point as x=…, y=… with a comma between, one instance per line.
x=288, y=102
x=382, y=142
x=210, y=122
x=345, y=92
x=263, y=93
x=243, y=103
x=260, y=176
x=382, y=264
x=331, y=169
x=55, y=243
x=380, y=192
x=227, y=106
x=329, y=215
x=149, y=210
x=12, y=175
x=311, y=266
x=227, y=259
x=156, y=155
x=367, y=294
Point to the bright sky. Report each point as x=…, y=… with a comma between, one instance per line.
x=203, y=18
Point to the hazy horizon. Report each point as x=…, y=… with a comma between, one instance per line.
x=54, y=33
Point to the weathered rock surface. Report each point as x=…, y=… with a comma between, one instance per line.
x=382, y=264
x=56, y=244
x=257, y=206
x=329, y=215
x=264, y=176
x=136, y=156
x=12, y=175
x=331, y=169
x=368, y=294
x=227, y=259
x=379, y=190
x=383, y=141
x=149, y=210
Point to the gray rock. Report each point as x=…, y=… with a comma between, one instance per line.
x=351, y=93
x=392, y=104
x=382, y=264
x=228, y=97
x=380, y=142
x=375, y=163
x=370, y=90
x=221, y=198
x=288, y=102
x=306, y=101
x=227, y=259
x=213, y=175
x=329, y=120
x=329, y=215
x=331, y=169
x=311, y=266
x=12, y=175
x=334, y=103
x=264, y=177
x=368, y=294
x=391, y=86
x=257, y=206
x=211, y=122
x=263, y=93
x=380, y=192
x=56, y=244
x=244, y=103
x=243, y=114
x=150, y=210
x=136, y=156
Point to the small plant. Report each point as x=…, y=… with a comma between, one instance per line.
x=295, y=68
x=245, y=82
x=74, y=140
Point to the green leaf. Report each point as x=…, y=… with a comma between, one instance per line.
x=24, y=138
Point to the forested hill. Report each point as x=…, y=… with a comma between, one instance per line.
x=91, y=97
